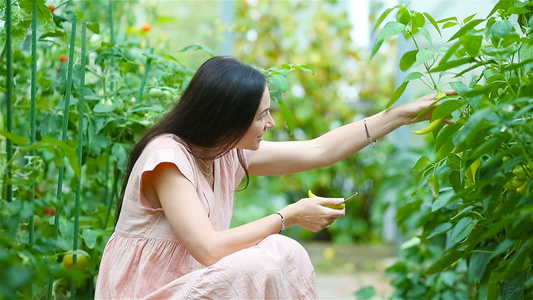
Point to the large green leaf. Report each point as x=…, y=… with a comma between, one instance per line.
x=391, y=29
x=412, y=76
x=466, y=28
x=446, y=107
x=478, y=264
x=423, y=56
x=440, y=229
x=397, y=93
x=462, y=229
x=432, y=21
x=408, y=59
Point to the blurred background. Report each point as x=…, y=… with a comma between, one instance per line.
x=333, y=38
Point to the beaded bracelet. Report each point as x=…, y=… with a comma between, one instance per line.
x=282, y=222
x=373, y=141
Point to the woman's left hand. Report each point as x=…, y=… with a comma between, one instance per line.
x=410, y=110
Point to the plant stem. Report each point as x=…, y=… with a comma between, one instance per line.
x=146, y=71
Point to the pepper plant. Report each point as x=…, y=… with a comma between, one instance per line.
x=469, y=208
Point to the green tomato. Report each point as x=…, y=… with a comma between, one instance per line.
x=155, y=93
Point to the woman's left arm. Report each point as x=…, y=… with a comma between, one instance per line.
x=279, y=158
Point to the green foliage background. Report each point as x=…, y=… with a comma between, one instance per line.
x=466, y=209
x=468, y=206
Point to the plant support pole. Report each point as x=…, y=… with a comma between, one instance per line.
x=64, y=135
x=9, y=103
x=33, y=106
x=81, y=104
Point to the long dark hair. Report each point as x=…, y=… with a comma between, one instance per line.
x=215, y=111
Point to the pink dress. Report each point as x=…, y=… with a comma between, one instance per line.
x=143, y=259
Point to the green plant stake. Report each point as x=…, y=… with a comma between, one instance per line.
x=33, y=104
x=111, y=29
x=9, y=102
x=106, y=191
x=81, y=105
x=64, y=134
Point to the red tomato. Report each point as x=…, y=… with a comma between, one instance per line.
x=146, y=27
x=63, y=58
x=50, y=211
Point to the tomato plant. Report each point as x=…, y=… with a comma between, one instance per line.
x=469, y=215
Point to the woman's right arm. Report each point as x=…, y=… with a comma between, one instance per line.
x=190, y=223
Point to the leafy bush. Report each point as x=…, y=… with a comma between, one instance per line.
x=470, y=216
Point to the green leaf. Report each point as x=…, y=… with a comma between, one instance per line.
x=462, y=229
x=502, y=247
x=445, y=261
x=471, y=43
x=392, y=28
x=414, y=241
x=453, y=161
x=513, y=288
x=452, y=64
x=198, y=47
x=408, y=59
x=305, y=68
x=449, y=24
x=486, y=147
x=501, y=29
x=422, y=163
x=15, y=138
x=459, y=87
x=426, y=34
x=89, y=237
x=477, y=264
x=412, y=76
x=432, y=21
x=466, y=28
x=365, y=293
x=119, y=155
x=442, y=228
x=441, y=201
x=288, y=116
x=103, y=108
x=279, y=82
x=382, y=17
x=446, y=107
x=94, y=27
x=454, y=19
x=444, y=135
x=423, y=56
x=451, y=51
x=467, y=19
x=397, y=93
x=65, y=149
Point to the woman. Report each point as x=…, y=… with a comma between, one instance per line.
x=172, y=239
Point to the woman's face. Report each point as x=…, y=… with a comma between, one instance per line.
x=262, y=121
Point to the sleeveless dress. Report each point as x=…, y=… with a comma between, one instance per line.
x=143, y=258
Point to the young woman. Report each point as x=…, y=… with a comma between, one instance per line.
x=172, y=239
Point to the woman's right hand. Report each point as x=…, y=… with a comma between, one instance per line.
x=310, y=213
